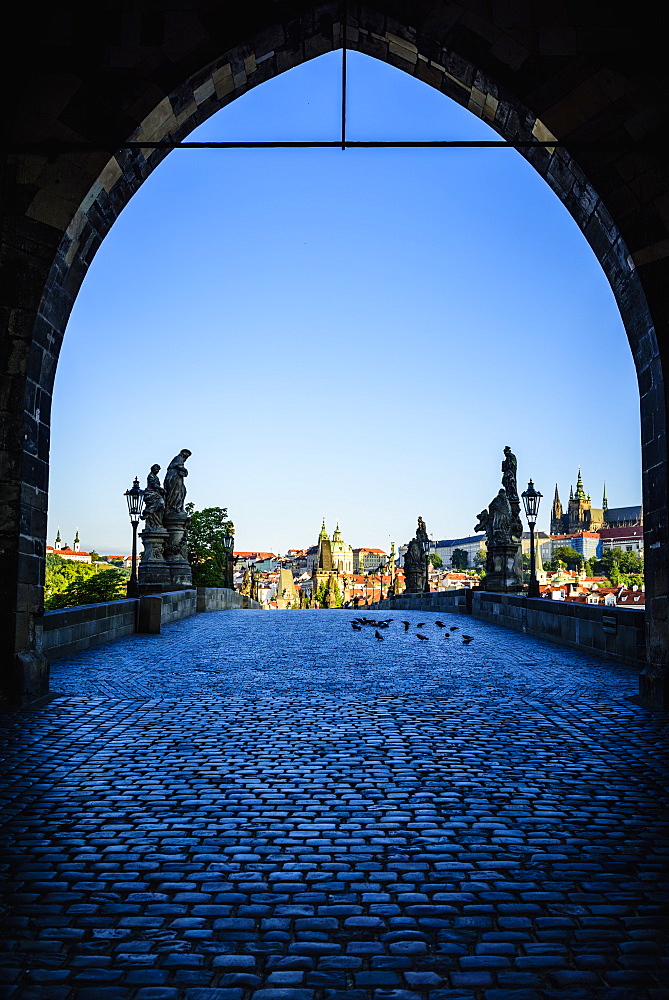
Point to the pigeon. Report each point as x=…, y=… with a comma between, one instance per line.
x=407, y=626
x=470, y=637
x=420, y=624
x=419, y=636
x=358, y=628
x=447, y=635
x=454, y=628
x=378, y=635
x=440, y=624
x=466, y=642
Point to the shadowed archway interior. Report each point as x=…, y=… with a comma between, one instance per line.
x=160, y=74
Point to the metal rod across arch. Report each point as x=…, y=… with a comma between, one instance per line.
x=344, y=24
x=50, y=148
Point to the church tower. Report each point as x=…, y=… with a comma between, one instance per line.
x=605, y=502
x=76, y=545
x=324, y=566
x=342, y=553
x=579, y=508
x=59, y=543
x=556, y=514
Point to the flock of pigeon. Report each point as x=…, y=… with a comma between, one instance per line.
x=357, y=624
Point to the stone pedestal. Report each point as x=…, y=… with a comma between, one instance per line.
x=153, y=573
x=502, y=576
x=176, y=551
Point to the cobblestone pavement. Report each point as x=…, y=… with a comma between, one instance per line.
x=273, y=806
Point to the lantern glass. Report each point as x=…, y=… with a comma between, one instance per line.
x=228, y=542
x=531, y=501
x=135, y=498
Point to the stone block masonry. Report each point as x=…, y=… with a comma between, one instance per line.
x=614, y=633
x=222, y=599
x=74, y=630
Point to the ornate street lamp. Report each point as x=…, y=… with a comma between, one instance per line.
x=229, y=546
x=531, y=501
x=425, y=545
x=135, y=498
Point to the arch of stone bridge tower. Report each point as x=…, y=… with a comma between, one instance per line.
x=89, y=79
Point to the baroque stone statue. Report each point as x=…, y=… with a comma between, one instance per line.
x=510, y=484
x=153, y=574
x=175, y=485
x=501, y=517
x=415, y=561
x=504, y=532
x=154, y=500
x=176, y=520
x=509, y=469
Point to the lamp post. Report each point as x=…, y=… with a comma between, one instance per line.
x=425, y=545
x=135, y=498
x=531, y=501
x=229, y=546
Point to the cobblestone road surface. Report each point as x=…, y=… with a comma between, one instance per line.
x=276, y=807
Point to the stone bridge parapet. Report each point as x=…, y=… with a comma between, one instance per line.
x=614, y=633
x=72, y=630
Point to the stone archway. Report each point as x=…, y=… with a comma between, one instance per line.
x=70, y=197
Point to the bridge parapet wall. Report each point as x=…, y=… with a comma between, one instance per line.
x=74, y=630
x=221, y=599
x=614, y=633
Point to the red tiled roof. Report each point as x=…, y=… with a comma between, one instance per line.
x=254, y=555
x=637, y=597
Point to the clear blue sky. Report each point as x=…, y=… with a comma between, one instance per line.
x=353, y=335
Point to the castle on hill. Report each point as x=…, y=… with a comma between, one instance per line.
x=581, y=516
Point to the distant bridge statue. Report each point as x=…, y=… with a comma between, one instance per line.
x=504, y=533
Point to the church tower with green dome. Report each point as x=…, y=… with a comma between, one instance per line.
x=342, y=553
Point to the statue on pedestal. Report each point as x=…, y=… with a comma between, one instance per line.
x=176, y=521
x=415, y=561
x=153, y=574
x=504, y=532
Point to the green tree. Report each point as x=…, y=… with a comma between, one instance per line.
x=60, y=573
x=459, y=559
x=206, y=551
x=108, y=585
x=617, y=564
x=591, y=566
x=570, y=557
x=335, y=596
x=630, y=562
x=435, y=560
x=481, y=557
